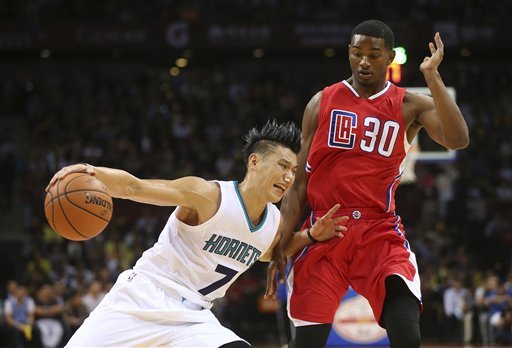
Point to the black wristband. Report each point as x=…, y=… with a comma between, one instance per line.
x=310, y=236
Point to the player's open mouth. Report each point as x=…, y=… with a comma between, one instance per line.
x=280, y=188
x=365, y=74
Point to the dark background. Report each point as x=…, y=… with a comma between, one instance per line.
x=89, y=81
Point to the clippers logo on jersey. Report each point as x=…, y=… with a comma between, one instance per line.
x=341, y=132
x=232, y=248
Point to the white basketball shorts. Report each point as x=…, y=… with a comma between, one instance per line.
x=137, y=312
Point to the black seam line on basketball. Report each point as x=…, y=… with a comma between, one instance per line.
x=63, y=212
x=51, y=199
x=79, y=207
x=52, y=217
x=81, y=190
x=86, y=190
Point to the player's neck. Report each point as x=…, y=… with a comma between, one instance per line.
x=253, y=200
x=366, y=91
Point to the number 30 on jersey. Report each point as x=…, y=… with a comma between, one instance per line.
x=376, y=136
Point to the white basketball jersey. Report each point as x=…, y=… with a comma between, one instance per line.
x=200, y=262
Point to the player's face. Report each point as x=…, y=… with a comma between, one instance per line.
x=369, y=59
x=278, y=169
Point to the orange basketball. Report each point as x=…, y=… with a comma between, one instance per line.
x=78, y=207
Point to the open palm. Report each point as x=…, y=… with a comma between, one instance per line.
x=437, y=52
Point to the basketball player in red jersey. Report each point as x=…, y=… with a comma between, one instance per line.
x=356, y=134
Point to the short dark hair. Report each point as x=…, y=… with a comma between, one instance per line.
x=284, y=134
x=375, y=28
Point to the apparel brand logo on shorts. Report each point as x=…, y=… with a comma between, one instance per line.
x=232, y=248
x=131, y=276
x=92, y=199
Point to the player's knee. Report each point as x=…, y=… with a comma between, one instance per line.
x=311, y=336
x=404, y=335
x=400, y=317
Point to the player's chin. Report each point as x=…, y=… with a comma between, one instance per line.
x=365, y=79
x=276, y=195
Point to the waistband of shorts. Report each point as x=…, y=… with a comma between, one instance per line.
x=174, y=294
x=354, y=213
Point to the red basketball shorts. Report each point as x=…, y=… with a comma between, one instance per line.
x=374, y=247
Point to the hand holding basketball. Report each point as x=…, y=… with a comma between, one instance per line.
x=77, y=205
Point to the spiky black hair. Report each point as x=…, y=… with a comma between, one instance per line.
x=260, y=141
x=375, y=28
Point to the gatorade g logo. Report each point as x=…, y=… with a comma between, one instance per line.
x=92, y=199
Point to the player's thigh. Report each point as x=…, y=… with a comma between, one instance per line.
x=316, y=286
x=105, y=328
x=375, y=262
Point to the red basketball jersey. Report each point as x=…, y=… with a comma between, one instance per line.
x=357, y=154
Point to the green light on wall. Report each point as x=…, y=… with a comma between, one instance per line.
x=400, y=56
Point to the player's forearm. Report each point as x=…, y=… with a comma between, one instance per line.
x=291, y=208
x=454, y=127
x=120, y=183
x=298, y=241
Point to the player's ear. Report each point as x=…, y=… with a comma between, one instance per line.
x=253, y=159
x=391, y=56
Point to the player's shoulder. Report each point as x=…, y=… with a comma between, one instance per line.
x=198, y=184
x=416, y=103
x=416, y=98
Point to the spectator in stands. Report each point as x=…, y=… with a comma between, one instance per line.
x=93, y=296
x=49, y=317
x=20, y=315
x=75, y=312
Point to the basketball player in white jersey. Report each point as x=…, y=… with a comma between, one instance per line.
x=217, y=232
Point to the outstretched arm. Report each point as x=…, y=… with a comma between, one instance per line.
x=325, y=228
x=440, y=115
x=295, y=199
x=192, y=192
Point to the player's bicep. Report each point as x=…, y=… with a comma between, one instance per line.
x=425, y=117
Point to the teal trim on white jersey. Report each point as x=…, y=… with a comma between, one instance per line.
x=249, y=222
x=201, y=262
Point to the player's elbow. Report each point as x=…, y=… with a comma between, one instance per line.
x=459, y=143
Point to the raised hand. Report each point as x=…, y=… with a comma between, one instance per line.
x=431, y=63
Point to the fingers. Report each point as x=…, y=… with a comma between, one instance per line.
x=432, y=48
x=332, y=211
x=438, y=46
x=75, y=168
x=270, y=291
x=340, y=228
x=282, y=271
x=439, y=42
x=340, y=219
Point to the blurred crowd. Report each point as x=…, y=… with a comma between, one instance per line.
x=139, y=118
